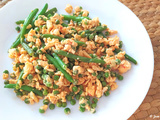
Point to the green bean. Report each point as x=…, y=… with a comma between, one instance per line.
x=80, y=43
x=80, y=58
x=51, y=11
x=55, y=63
x=51, y=36
x=27, y=22
x=19, y=79
x=74, y=18
x=20, y=22
x=64, y=25
x=61, y=63
x=26, y=88
x=60, y=38
x=126, y=56
x=42, y=12
x=27, y=48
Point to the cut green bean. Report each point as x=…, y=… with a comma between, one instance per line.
x=20, y=22
x=126, y=56
x=80, y=43
x=51, y=11
x=61, y=63
x=74, y=18
x=27, y=48
x=55, y=63
x=26, y=88
x=27, y=22
x=51, y=36
x=42, y=12
x=19, y=79
x=80, y=58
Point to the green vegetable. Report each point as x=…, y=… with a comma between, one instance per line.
x=51, y=36
x=107, y=93
x=67, y=111
x=75, y=89
x=55, y=92
x=19, y=79
x=26, y=101
x=45, y=101
x=30, y=77
x=41, y=110
x=55, y=86
x=69, y=97
x=77, y=96
x=59, y=104
x=55, y=63
x=51, y=106
x=106, y=74
x=126, y=56
x=6, y=71
x=73, y=102
x=19, y=22
x=104, y=83
x=74, y=18
x=56, y=77
x=6, y=82
x=18, y=29
x=26, y=88
x=82, y=109
x=60, y=62
x=64, y=104
x=80, y=58
x=93, y=105
x=120, y=77
x=45, y=92
x=51, y=11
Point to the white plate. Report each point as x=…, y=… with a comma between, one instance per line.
x=122, y=102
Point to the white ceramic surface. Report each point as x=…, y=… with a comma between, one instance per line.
x=122, y=102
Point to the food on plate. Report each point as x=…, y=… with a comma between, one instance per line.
x=64, y=58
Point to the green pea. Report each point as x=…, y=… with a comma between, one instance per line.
x=30, y=77
x=109, y=87
x=102, y=79
x=80, y=7
x=83, y=35
x=39, y=67
x=94, y=74
x=49, y=15
x=44, y=71
x=118, y=61
x=67, y=111
x=6, y=72
x=73, y=102
x=50, y=73
x=51, y=106
x=69, y=97
x=55, y=92
x=98, y=76
x=74, y=88
x=39, y=51
x=26, y=101
x=80, y=92
x=45, y=101
x=120, y=77
x=64, y=104
x=68, y=36
x=77, y=96
x=94, y=100
x=56, y=77
x=107, y=33
x=89, y=102
x=36, y=29
x=104, y=83
x=82, y=105
x=36, y=54
x=91, y=36
x=55, y=86
x=12, y=75
x=107, y=93
x=6, y=82
x=57, y=21
x=82, y=109
x=93, y=105
x=102, y=44
x=113, y=74
x=59, y=104
x=19, y=94
x=45, y=92
x=108, y=67
x=18, y=29
x=106, y=74
x=87, y=97
x=34, y=49
x=41, y=110
x=80, y=75
x=81, y=87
